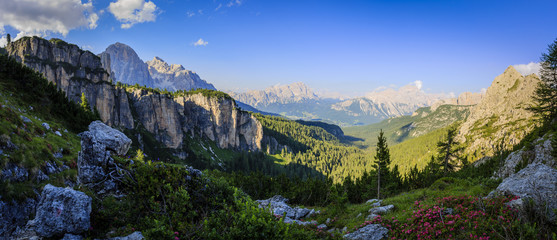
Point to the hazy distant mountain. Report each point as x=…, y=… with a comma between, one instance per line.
x=128, y=68
x=175, y=77
x=293, y=93
x=299, y=101
x=389, y=102
x=464, y=99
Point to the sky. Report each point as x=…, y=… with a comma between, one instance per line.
x=349, y=47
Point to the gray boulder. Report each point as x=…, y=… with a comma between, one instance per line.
x=277, y=205
x=537, y=182
x=134, y=236
x=97, y=144
x=374, y=202
x=62, y=210
x=540, y=153
x=69, y=236
x=15, y=215
x=369, y=232
x=381, y=210
x=25, y=119
x=14, y=173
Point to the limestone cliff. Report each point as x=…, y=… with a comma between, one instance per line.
x=75, y=71
x=500, y=117
x=170, y=119
x=126, y=66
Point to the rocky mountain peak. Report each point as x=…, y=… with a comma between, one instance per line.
x=162, y=67
x=126, y=65
x=503, y=107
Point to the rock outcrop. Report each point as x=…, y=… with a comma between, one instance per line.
x=217, y=119
x=62, y=210
x=15, y=215
x=97, y=145
x=500, y=117
x=278, y=206
x=175, y=77
x=537, y=182
x=369, y=232
x=75, y=72
x=134, y=236
x=170, y=119
x=539, y=153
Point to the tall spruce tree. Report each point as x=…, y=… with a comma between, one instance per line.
x=449, y=151
x=545, y=97
x=382, y=160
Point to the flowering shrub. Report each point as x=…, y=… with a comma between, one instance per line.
x=463, y=217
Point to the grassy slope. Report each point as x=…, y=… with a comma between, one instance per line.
x=400, y=129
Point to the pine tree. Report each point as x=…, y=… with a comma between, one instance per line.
x=449, y=151
x=382, y=160
x=545, y=97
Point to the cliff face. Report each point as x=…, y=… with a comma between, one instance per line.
x=126, y=66
x=75, y=71
x=500, y=117
x=169, y=119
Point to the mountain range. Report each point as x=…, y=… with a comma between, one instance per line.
x=298, y=101
x=126, y=67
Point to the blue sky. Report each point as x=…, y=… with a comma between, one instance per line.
x=350, y=47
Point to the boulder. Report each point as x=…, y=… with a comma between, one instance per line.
x=537, y=181
x=14, y=173
x=371, y=217
x=381, y=210
x=374, y=202
x=540, y=153
x=62, y=210
x=69, y=236
x=134, y=236
x=15, y=214
x=277, y=205
x=368, y=232
x=97, y=144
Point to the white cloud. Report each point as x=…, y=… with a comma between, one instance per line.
x=200, y=42
x=218, y=7
x=234, y=2
x=527, y=69
x=130, y=12
x=190, y=13
x=418, y=84
x=39, y=17
x=3, y=41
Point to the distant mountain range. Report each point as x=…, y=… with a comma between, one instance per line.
x=298, y=101
x=126, y=67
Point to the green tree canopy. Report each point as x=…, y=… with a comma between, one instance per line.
x=449, y=151
x=382, y=160
x=545, y=98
